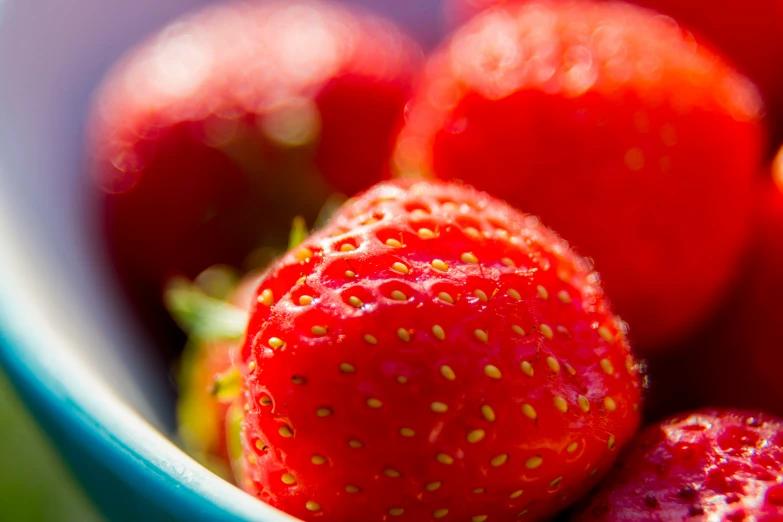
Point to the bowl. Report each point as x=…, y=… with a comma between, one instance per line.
x=70, y=348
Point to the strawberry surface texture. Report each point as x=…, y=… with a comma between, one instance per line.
x=721, y=465
x=431, y=354
x=634, y=141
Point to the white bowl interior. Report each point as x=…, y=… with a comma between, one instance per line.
x=52, y=56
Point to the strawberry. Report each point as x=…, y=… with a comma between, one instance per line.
x=208, y=380
x=747, y=33
x=721, y=465
x=432, y=353
x=635, y=143
x=742, y=344
x=747, y=338
x=208, y=138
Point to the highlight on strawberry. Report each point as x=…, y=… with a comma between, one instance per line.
x=747, y=33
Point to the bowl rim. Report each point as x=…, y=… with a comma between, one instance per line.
x=46, y=373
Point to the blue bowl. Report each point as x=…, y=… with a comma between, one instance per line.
x=65, y=341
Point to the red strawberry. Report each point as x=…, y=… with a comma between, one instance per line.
x=635, y=143
x=748, y=33
x=742, y=344
x=211, y=136
x=209, y=384
x=433, y=353
x=749, y=332
x=708, y=465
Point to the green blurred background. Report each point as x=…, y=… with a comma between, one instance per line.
x=35, y=485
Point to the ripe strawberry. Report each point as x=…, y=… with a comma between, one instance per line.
x=747, y=33
x=209, y=385
x=635, y=143
x=749, y=334
x=742, y=344
x=433, y=352
x=721, y=465
x=212, y=135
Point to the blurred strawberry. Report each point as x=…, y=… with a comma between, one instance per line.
x=737, y=356
x=672, y=378
x=432, y=353
x=748, y=33
x=633, y=141
x=211, y=136
x=709, y=465
x=209, y=383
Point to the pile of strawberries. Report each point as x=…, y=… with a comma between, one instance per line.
x=434, y=350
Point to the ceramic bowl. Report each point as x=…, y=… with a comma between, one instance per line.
x=69, y=347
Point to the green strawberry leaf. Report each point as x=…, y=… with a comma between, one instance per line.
x=202, y=317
